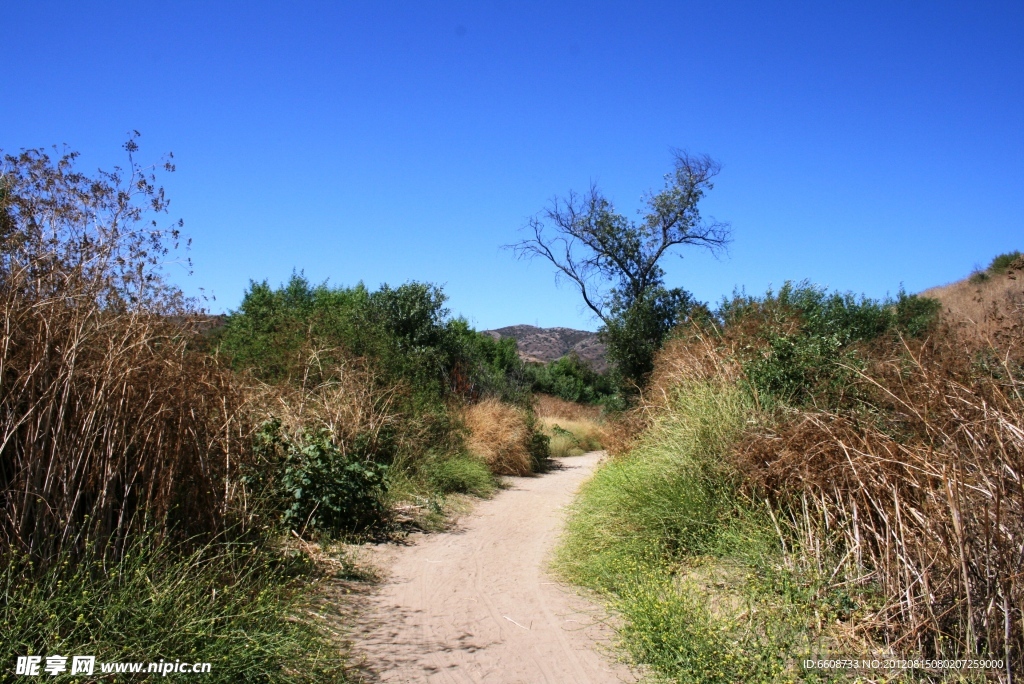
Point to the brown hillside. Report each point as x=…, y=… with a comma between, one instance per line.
x=987, y=300
x=542, y=345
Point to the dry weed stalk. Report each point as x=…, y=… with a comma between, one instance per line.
x=107, y=420
x=500, y=435
x=924, y=494
x=337, y=394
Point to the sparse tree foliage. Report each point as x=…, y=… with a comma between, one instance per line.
x=615, y=262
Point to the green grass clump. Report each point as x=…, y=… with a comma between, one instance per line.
x=460, y=474
x=695, y=571
x=232, y=605
x=669, y=494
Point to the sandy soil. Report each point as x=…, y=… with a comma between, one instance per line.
x=478, y=605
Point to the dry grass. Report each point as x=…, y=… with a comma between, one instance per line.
x=343, y=398
x=547, y=406
x=986, y=307
x=574, y=429
x=922, y=498
x=500, y=435
x=109, y=420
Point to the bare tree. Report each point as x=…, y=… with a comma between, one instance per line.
x=591, y=245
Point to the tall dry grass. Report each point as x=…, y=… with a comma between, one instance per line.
x=924, y=494
x=107, y=420
x=499, y=434
x=985, y=306
x=339, y=394
x=548, y=406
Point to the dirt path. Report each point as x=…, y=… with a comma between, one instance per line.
x=477, y=604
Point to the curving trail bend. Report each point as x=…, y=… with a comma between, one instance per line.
x=477, y=604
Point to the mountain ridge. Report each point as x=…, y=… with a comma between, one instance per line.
x=543, y=345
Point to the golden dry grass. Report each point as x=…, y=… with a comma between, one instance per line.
x=345, y=399
x=987, y=307
x=932, y=516
x=547, y=406
x=500, y=435
x=574, y=428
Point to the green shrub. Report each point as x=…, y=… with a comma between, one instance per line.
x=571, y=379
x=1002, y=263
x=916, y=316
x=460, y=474
x=316, y=486
x=810, y=339
x=539, y=445
x=405, y=331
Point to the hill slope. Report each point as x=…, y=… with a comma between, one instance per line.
x=990, y=300
x=541, y=345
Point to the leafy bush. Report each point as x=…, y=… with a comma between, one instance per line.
x=460, y=474
x=406, y=331
x=637, y=326
x=571, y=379
x=800, y=346
x=317, y=485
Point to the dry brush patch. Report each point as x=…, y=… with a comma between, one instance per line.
x=573, y=428
x=499, y=434
x=548, y=406
x=986, y=307
x=926, y=495
x=109, y=421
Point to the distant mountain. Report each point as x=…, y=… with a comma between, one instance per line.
x=541, y=345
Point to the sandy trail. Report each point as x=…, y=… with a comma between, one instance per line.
x=477, y=604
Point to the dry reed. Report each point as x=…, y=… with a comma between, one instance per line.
x=500, y=435
x=108, y=420
x=922, y=495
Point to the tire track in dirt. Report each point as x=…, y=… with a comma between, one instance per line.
x=478, y=605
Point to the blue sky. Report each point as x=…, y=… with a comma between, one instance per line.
x=864, y=145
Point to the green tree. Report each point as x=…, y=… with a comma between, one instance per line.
x=616, y=262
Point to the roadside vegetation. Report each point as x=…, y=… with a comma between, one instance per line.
x=812, y=474
x=172, y=491
x=794, y=475
x=573, y=429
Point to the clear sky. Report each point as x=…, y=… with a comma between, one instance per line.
x=864, y=145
